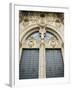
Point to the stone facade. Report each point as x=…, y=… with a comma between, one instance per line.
x=41, y=22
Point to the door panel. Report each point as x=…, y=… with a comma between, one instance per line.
x=54, y=63
x=29, y=64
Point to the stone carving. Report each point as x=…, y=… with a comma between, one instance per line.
x=42, y=20
x=58, y=23
x=53, y=42
x=30, y=18
x=31, y=42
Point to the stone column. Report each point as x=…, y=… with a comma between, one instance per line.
x=42, y=62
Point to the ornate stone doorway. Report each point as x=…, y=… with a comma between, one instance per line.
x=41, y=51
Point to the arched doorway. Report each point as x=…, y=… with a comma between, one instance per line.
x=41, y=54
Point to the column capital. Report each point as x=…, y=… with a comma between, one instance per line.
x=42, y=42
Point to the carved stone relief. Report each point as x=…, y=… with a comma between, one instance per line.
x=53, y=42
x=53, y=19
x=42, y=20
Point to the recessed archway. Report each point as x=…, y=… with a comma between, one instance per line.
x=42, y=51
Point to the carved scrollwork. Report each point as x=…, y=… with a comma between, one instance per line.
x=53, y=42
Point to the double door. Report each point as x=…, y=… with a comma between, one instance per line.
x=29, y=63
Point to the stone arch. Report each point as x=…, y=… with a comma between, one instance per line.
x=34, y=28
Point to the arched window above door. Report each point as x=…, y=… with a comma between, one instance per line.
x=34, y=35
x=37, y=36
x=34, y=39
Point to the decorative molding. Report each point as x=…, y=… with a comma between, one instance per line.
x=41, y=18
x=44, y=22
